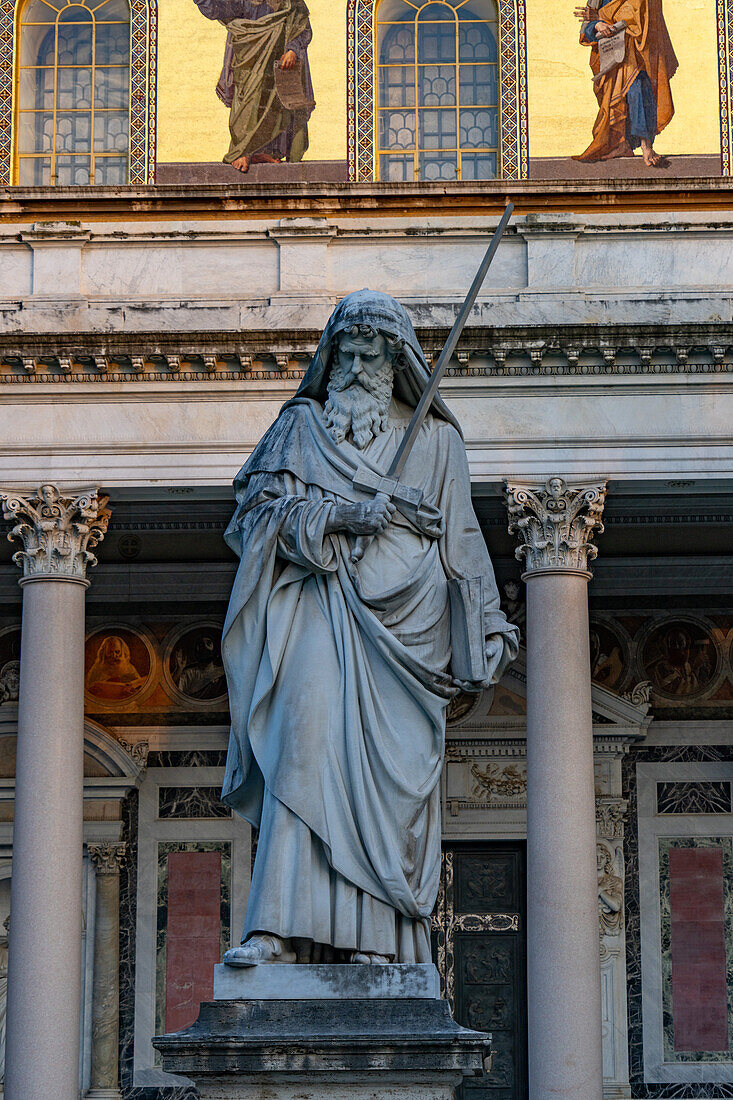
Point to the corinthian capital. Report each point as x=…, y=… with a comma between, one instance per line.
x=107, y=858
x=57, y=532
x=555, y=523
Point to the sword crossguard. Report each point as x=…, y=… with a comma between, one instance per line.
x=388, y=488
x=369, y=481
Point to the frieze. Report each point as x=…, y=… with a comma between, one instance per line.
x=607, y=352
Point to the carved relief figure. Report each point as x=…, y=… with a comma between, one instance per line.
x=632, y=61
x=509, y=781
x=265, y=39
x=610, y=894
x=339, y=664
x=680, y=659
x=9, y=682
x=514, y=605
x=9, y=665
x=113, y=675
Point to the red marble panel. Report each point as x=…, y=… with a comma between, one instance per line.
x=192, y=934
x=699, y=995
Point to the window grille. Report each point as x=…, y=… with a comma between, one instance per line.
x=437, y=85
x=73, y=93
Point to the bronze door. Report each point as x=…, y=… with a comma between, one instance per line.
x=480, y=949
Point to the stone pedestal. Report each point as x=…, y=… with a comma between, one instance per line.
x=341, y=1032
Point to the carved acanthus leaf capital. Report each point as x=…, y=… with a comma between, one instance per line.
x=107, y=857
x=556, y=523
x=58, y=532
x=611, y=817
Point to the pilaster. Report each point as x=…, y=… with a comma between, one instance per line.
x=107, y=859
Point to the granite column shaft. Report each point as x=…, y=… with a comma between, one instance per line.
x=44, y=967
x=555, y=524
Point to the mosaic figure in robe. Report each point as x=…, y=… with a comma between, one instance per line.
x=339, y=672
x=260, y=35
x=634, y=96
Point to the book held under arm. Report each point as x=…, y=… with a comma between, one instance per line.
x=467, y=634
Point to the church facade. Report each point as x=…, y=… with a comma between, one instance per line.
x=157, y=308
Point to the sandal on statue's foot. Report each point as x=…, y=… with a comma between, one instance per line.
x=369, y=957
x=259, y=949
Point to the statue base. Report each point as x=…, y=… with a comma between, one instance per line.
x=322, y=1032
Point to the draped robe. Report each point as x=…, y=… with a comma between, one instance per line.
x=339, y=673
x=259, y=32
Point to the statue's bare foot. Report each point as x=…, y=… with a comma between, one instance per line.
x=241, y=164
x=369, y=957
x=264, y=158
x=262, y=948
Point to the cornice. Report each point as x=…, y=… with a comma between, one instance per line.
x=595, y=352
x=356, y=199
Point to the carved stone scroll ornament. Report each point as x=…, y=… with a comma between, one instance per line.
x=107, y=857
x=58, y=532
x=555, y=523
x=641, y=695
x=611, y=817
x=137, y=750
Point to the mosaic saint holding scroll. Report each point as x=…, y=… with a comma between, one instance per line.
x=266, y=39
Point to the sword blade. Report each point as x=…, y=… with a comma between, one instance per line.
x=423, y=406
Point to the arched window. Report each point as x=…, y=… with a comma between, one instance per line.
x=437, y=90
x=73, y=92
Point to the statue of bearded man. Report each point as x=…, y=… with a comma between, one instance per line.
x=339, y=672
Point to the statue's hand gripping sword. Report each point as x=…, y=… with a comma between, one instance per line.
x=388, y=487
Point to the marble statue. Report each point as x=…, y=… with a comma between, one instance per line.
x=339, y=671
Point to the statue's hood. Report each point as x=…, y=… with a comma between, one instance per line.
x=386, y=315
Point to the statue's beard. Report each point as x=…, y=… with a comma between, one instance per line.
x=361, y=408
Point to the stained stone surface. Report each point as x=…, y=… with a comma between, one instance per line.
x=322, y=981
x=360, y=1048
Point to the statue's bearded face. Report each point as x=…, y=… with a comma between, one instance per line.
x=360, y=386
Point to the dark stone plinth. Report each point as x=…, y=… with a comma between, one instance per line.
x=338, y=1046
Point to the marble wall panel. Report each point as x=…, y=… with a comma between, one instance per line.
x=683, y=754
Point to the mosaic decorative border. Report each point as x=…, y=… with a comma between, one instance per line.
x=360, y=89
x=683, y=754
x=143, y=88
x=724, y=17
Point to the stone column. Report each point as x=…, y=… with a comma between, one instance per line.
x=555, y=524
x=107, y=860
x=44, y=968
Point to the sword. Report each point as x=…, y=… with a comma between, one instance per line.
x=386, y=487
